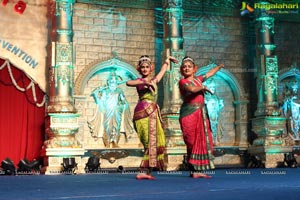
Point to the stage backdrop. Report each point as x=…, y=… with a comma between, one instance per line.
x=23, y=42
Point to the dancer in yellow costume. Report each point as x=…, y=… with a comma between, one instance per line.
x=147, y=118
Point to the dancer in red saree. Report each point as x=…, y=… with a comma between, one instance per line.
x=193, y=118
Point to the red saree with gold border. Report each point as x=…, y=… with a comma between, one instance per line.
x=195, y=127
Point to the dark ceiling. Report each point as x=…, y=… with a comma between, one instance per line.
x=151, y=4
x=217, y=7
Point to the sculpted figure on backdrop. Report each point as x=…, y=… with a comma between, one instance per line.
x=113, y=114
x=291, y=109
x=214, y=106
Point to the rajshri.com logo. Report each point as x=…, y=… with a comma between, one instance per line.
x=276, y=8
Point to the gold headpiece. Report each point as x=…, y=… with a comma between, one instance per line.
x=187, y=59
x=144, y=59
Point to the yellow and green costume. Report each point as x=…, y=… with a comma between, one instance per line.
x=149, y=126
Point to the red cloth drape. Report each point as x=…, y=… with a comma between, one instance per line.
x=21, y=121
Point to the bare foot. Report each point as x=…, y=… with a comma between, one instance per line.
x=200, y=175
x=141, y=176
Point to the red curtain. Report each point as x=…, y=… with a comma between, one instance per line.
x=22, y=122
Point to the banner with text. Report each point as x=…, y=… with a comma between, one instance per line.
x=23, y=40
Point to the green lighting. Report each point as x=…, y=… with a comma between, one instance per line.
x=265, y=18
x=174, y=10
x=274, y=151
x=64, y=115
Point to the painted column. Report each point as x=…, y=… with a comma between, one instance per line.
x=268, y=66
x=268, y=124
x=62, y=76
x=173, y=45
x=63, y=118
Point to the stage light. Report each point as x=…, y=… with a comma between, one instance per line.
x=120, y=169
x=8, y=167
x=290, y=160
x=24, y=166
x=36, y=165
x=69, y=165
x=27, y=167
x=255, y=162
x=93, y=164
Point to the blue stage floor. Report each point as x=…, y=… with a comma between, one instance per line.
x=231, y=184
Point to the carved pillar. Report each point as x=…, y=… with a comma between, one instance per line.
x=63, y=117
x=268, y=124
x=173, y=45
x=62, y=76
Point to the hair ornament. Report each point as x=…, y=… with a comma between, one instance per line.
x=188, y=59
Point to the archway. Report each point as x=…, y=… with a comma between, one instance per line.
x=238, y=117
x=123, y=69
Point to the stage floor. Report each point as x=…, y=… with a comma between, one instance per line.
x=226, y=184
